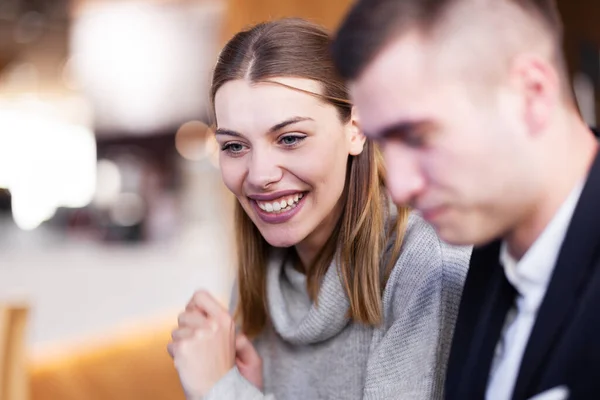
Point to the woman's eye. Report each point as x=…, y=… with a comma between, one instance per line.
x=292, y=140
x=233, y=148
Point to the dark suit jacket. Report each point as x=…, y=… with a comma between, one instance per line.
x=564, y=346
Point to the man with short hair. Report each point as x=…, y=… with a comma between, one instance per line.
x=472, y=104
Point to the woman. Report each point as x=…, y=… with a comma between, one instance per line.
x=340, y=295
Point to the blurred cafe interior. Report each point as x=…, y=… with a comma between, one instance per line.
x=112, y=211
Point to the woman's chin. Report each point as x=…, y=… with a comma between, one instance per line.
x=281, y=241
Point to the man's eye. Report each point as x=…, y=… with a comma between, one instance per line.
x=414, y=140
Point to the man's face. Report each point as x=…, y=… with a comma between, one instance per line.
x=454, y=150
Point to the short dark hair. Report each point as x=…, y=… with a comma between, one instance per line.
x=371, y=24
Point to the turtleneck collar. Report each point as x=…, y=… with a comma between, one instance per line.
x=294, y=316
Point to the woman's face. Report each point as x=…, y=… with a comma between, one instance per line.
x=284, y=155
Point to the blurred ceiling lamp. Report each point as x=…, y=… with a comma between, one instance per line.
x=191, y=140
x=145, y=65
x=45, y=161
x=108, y=183
x=127, y=210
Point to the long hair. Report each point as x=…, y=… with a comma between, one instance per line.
x=297, y=48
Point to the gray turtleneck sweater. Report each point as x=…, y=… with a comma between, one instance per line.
x=312, y=352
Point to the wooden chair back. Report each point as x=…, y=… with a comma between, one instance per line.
x=14, y=377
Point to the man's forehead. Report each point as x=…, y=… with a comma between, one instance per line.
x=405, y=55
x=395, y=85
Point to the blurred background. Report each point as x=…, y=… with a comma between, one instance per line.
x=112, y=212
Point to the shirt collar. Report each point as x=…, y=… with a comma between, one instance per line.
x=531, y=274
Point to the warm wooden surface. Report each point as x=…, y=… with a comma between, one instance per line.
x=131, y=367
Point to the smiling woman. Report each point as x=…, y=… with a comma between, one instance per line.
x=300, y=148
x=339, y=294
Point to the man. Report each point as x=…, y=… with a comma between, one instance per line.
x=472, y=104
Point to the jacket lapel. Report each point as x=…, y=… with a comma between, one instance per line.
x=479, y=325
x=576, y=258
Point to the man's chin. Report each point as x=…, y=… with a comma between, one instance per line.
x=459, y=237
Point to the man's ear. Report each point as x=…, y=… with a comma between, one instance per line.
x=539, y=85
x=356, y=139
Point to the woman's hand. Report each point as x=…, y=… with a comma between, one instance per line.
x=248, y=361
x=203, y=345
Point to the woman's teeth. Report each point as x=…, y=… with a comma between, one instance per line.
x=282, y=204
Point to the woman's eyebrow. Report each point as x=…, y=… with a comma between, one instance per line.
x=274, y=128
x=287, y=122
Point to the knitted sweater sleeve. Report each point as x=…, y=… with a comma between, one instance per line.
x=409, y=353
x=234, y=386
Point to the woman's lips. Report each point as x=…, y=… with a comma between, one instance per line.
x=281, y=209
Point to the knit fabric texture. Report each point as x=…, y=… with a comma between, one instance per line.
x=313, y=351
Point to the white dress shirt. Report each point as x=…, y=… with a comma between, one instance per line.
x=530, y=276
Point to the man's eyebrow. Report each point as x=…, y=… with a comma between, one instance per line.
x=400, y=129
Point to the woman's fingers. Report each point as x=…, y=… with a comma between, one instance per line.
x=192, y=319
x=207, y=304
x=188, y=324
x=182, y=333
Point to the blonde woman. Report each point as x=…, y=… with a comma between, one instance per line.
x=339, y=294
